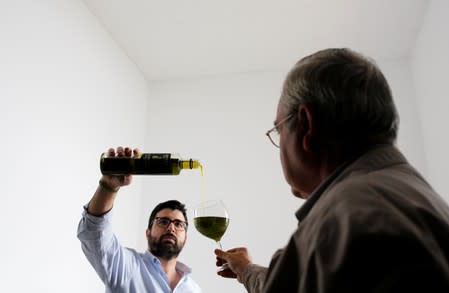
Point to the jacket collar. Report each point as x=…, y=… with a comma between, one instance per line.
x=378, y=157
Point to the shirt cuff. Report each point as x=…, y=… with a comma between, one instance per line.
x=253, y=277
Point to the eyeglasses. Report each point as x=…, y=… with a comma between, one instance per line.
x=273, y=133
x=164, y=222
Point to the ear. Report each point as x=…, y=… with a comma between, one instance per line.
x=306, y=126
x=148, y=233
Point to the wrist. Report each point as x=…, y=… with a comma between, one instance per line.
x=106, y=187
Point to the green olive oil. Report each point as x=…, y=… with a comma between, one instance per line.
x=211, y=227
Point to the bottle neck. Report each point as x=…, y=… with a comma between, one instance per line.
x=189, y=164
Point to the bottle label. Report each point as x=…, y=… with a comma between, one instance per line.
x=155, y=164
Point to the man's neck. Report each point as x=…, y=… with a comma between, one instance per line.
x=169, y=267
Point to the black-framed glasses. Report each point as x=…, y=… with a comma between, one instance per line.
x=273, y=133
x=164, y=222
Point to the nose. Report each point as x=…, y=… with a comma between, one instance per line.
x=171, y=227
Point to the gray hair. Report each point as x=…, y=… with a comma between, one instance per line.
x=350, y=98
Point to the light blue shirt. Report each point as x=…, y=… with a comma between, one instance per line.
x=124, y=270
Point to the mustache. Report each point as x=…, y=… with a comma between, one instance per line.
x=169, y=235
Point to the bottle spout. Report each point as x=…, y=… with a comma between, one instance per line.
x=190, y=164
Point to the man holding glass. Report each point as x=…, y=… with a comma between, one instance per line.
x=124, y=270
x=370, y=223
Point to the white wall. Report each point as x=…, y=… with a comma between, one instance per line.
x=398, y=74
x=67, y=93
x=222, y=121
x=430, y=63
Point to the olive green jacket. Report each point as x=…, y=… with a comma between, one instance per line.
x=375, y=225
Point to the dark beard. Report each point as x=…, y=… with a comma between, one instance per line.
x=163, y=249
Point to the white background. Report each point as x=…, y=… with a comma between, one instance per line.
x=68, y=92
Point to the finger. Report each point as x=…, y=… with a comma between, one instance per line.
x=219, y=262
x=227, y=274
x=221, y=254
x=136, y=153
x=120, y=151
x=236, y=249
x=128, y=152
x=111, y=152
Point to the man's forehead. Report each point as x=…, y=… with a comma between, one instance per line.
x=173, y=214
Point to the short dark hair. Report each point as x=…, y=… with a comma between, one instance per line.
x=170, y=204
x=349, y=96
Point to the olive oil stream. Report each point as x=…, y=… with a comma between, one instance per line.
x=212, y=227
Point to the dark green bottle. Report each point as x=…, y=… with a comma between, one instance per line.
x=146, y=164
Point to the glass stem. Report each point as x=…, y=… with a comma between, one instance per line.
x=219, y=244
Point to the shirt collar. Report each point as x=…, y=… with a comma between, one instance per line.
x=180, y=267
x=304, y=210
x=376, y=157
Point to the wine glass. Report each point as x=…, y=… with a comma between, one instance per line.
x=211, y=219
